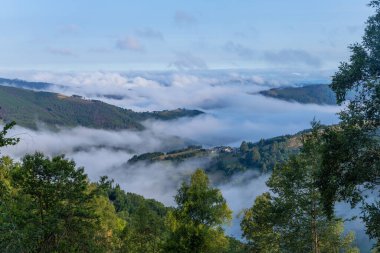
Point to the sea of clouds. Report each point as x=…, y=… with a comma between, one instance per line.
x=234, y=111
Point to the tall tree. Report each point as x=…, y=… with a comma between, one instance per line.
x=351, y=156
x=258, y=225
x=292, y=218
x=196, y=224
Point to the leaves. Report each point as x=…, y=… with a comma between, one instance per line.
x=291, y=217
x=195, y=224
x=7, y=141
x=351, y=153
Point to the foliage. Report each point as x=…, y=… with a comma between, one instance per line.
x=351, y=154
x=261, y=156
x=49, y=206
x=4, y=141
x=291, y=218
x=195, y=225
x=236, y=246
x=258, y=225
x=145, y=230
x=174, y=155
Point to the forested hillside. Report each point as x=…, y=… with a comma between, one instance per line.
x=28, y=108
x=225, y=162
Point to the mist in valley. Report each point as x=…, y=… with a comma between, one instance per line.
x=233, y=112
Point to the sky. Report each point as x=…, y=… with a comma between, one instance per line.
x=119, y=35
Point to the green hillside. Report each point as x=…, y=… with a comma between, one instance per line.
x=28, y=108
x=261, y=156
x=310, y=94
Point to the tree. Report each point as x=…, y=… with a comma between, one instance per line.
x=195, y=225
x=258, y=225
x=244, y=147
x=236, y=246
x=351, y=155
x=10, y=234
x=4, y=141
x=145, y=232
x=292, y=218
x=108, y=224
x=49, y=206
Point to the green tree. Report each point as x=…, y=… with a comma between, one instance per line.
x=108, y=224
x=258, y=225
x=4, y=141
x=195, y=225
x=14, y=222
x=351, y=156
x=236, y=246
x=293, y=218
x=145, y=232
x=51, y=207
x=244, y=147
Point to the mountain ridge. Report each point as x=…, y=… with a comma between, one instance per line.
x=308, y=94
x=28, y=108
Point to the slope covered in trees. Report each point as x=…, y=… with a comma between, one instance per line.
x=28, y=108
x=225, y=162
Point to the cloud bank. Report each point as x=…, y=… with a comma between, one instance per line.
x=234, y=112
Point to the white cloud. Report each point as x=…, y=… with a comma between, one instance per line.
x=130, y=43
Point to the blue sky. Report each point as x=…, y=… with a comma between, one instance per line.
x=90, y=35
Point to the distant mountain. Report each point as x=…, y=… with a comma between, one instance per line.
x=25, y=84
x=28, y=108
x=311, y=94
